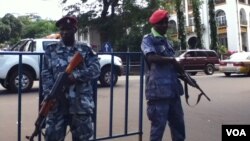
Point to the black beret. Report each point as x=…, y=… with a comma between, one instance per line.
x=67, y=20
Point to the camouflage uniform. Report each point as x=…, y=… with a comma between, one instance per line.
x=163, y=91
x=78, y=106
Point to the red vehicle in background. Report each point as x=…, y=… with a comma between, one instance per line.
x=199, y=60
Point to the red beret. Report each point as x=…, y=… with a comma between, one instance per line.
x=67, y=20
x=157, y=16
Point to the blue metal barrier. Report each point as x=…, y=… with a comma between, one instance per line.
x=19, y=119
x=126, y=58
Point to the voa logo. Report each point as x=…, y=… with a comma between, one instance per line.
x=236, y=132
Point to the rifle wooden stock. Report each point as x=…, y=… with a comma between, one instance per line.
x=75, y=61
x=50, y=100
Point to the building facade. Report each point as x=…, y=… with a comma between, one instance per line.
x=232, y=18
x=90, y=36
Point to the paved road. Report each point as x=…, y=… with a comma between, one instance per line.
x=230, y=105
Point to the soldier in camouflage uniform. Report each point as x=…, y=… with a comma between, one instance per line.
x=163, y=88
x=77, y=108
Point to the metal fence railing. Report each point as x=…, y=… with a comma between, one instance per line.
x=126, y=58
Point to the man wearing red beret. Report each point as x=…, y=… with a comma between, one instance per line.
x=163, y=88
x=75, y=106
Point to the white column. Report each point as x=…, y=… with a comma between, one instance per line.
x=239, y=27
x=248, y=31
x=205, y=23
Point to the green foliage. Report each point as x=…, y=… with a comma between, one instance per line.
x=38, y=29
x=197, y=21
x=130, y=17
x=181, y=24
x=222, y=49
x=13, y=29
x=4, y=32
x=125, y=29
x=213, y=27
x=170, y=6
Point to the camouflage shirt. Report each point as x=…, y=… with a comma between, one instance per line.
x=79, y=96
x=161, y=80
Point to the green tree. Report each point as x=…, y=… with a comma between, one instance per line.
x=222, y=51
x=213, y=27
x=168, y=5
x=181, y=24
x=15, y=26
x=4, y=32
x=13, y=29
x=105, y=6
x=128, y=17
x=197, y=21
x=38, y=29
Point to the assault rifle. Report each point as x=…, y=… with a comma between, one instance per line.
x=189, y=80
x=55, y=94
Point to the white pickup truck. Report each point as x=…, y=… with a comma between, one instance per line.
x=9, y=77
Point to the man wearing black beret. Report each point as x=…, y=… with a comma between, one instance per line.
x=68, y=24
x=76, y=108
x=67, y=21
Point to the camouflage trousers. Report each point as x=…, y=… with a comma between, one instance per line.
x=80, y=126
x=162, y=111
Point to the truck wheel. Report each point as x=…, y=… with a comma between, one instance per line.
x=26, y=81
x=105, y=77
x=4, y=84
x=209, y=69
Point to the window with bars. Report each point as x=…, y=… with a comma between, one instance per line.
x=221, y=21
x=221, y=18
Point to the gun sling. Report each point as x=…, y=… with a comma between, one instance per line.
x=185, y=78
x=187, y=95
